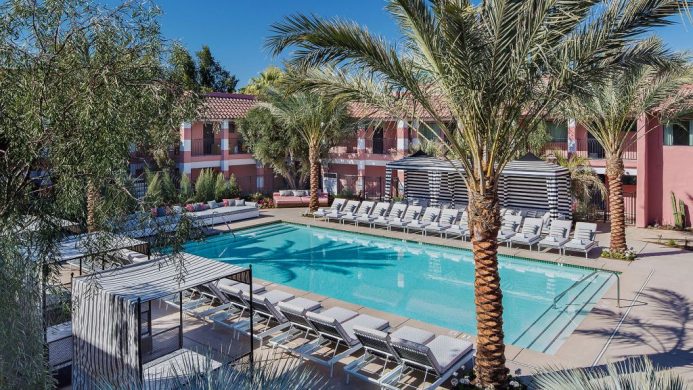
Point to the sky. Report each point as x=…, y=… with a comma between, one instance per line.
x=235, y=30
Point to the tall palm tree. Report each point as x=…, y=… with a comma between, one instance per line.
x=611, y=115
x=487, y=73
x=319, y=121
x=584, y=181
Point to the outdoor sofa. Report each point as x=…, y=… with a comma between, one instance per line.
x=297, y=198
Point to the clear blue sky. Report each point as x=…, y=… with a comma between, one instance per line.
x=235, y=30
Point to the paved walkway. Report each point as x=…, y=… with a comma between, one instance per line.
x=652, y=320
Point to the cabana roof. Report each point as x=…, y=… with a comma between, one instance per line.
x=528, y=165
x=161, y=277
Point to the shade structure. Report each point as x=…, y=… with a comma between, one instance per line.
x=108, y=306
x=525, y=183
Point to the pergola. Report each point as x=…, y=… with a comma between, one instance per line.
x=112, y=317
x=525, y=183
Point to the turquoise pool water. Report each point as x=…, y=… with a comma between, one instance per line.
x=429, y=283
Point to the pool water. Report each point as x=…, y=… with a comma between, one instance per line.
x=543, y=302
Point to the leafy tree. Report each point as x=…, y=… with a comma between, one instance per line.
x=222, y=187
x=316, y=120
x=186, y=191
x=285, y=152
x=204, y=186
x=611, y=115
x=80, y=85
x=183, y=68
x=487, y=73
x=537, y=140
x=212, y=77
x=269, y=78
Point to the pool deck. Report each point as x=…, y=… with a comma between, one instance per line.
x=653, y=320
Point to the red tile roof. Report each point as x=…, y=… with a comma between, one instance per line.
x=222, y=106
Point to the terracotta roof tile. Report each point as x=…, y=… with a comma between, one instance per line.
x=222, y=106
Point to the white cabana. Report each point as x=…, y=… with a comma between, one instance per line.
x=111, y=316
x=525, y=183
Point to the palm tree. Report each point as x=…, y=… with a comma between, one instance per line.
x=611, y=115
x=584, y=181
x=486, y=73
x=317, y=120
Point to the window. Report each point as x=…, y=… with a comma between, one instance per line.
x=558, y=131
x=232, y=126
x=679, y=133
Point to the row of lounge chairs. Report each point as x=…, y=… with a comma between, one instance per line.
x=325, y=336
x=517, y=228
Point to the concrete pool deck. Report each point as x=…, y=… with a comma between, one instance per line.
x=654, y=318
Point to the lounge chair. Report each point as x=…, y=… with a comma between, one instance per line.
x=331, y=330
x=447, y=218
x=234, y=293
x=583, y=238
x=300, y=328
x=460, y=229
x=546, y=218
x=428, y=217
x=336, y=207
x=530, y=234
x=559, y=235
x=378, y=351
x=348, y=208
x=396, y=211
x=409, y=216
x=364, y=210
x=442, y=356
x=379, y=211
x=510, y=225
x=268, y=315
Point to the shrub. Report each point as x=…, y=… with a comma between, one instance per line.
x=629, y=254
x=186, y=191
x=221, y=188
x=168, y=190
x=234, y=188
x=154, y=195
x=204, y=186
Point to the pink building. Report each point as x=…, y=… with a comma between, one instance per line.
x=213, y=142
x=657, y=164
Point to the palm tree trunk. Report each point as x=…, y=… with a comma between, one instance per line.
x=484, y=222
x=314, y=175
x=614, y=174
x=92, y=198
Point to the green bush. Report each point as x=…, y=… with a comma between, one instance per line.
x=221, y=188
x=186, y=191
x=204, y=186
x=168, y=190
x=234, y=188
x=154, y=194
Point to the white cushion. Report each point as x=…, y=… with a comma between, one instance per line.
x=412, y=334
x=444, y=351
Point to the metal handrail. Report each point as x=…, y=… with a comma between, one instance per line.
x=562, y=294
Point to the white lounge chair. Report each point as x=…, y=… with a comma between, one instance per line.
x=442, y=356
x=429, y=216
x=559, y=235
x=447, y=218
x=379, y=210
x=364, y=210
x=410, y=215
x=396, y=211
x=460, y=229
x=378, y=351
x=583, y=238
x=546, y=218
x=331, y=328
x=510, y=226
x=530, y=234
x=348, y=208
x=336, y=207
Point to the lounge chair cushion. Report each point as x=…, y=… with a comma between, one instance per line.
x=303, y=304
x=273, y=296
x=339, y=314
x=506, y=234
x=232, y=287
x=363, y=320
x=557, y=231
x=529, y=230
x=579, y=244
x=508, y=226
x=584, y=234
x=412, y=334
x=445, y=351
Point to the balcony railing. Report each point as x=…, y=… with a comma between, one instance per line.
x=346, y=146
x=205, y=147
x=590, y=148
x=381, y=146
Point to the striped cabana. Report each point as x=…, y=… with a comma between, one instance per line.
x=526, y=183
x=111, y=316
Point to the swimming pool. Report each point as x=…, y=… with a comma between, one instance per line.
x=543, y=302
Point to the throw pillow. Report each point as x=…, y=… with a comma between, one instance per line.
x=190, y=207
x=240, y=202
x=297, y=192
x=212, y=204
x=285, y=193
